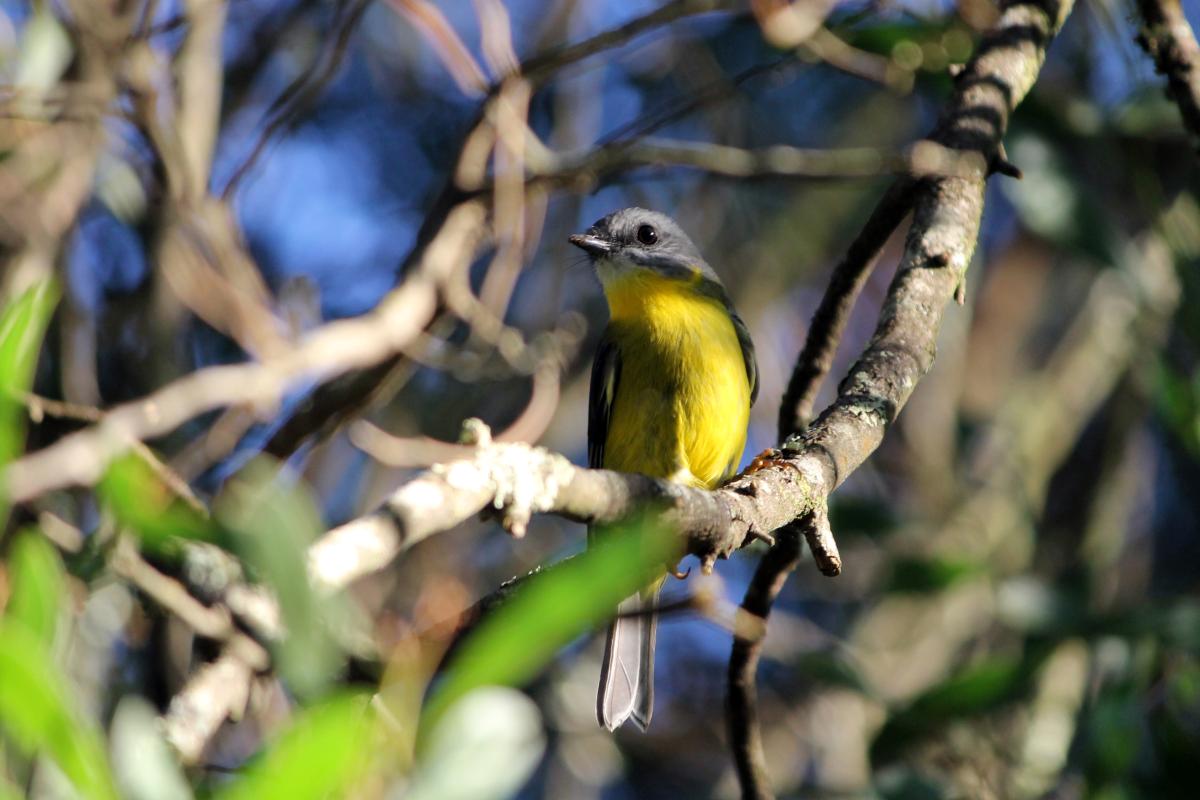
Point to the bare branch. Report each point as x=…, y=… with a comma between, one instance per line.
x=1167, y=38
x=946, y=218
x=540, y=68
x=922, y=159
x=829, y=321
x=80, y=458
x=745, y=736
x=304, y=91
x=216, y=692
x=521, y=480
x=334, y=403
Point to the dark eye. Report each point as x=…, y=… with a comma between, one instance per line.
x=647, y=235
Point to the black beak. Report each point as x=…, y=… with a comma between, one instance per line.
x=592, y=245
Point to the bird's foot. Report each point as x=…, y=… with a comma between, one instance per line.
x=771, y=457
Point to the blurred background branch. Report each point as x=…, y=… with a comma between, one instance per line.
x=232, y=228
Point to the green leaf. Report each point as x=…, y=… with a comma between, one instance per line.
x=37, y=586
x=322, y=754
x=975, y=690
x=1178, y=401
x=511, y=646
x=484, y=748
x=832, y=667
x=37, y=713
x=271, y=519
x=925, y=575
x=146, y=768
x=1112, y=731
x=142, y=501
x=22, y=328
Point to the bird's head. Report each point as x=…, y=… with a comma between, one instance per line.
x=635, y=240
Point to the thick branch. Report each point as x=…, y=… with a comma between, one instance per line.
x=938, y=249
x=520, y=480
x=1167, y=38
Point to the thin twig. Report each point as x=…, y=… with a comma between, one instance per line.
x=540, y=68
x=829, y=321
x=779, y=161
x=303, y=92
x=745, y=735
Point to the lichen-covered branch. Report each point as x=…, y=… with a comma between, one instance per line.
x=946, y=217
x=519, y=480
x=1168, y=39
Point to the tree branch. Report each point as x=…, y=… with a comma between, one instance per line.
x=335, y=402
x=81, y=458
x=921, y=159
x=829, y=321
x=741, y=703
x=1168, y=39
x=938, y=250
x=521, y=480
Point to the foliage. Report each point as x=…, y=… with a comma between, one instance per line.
x=1016, y=617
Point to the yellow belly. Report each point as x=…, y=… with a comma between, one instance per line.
x=683, y=398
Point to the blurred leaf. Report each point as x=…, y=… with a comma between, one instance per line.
x=1112, y=732
x=141, y=500
x=1030, y=605
x=37, y=713
x=1180, y=625
x=925, y=575
x=882, y=38
x=511, y=646
x=145, y=766
x=37, y=586
x=977, y=689
x=322, y=754
x=485, y=747
x=22, y=328
x=862, y=516
x=272, y=522
x=1178, y=401
x=832, y=668
x=1052, y=201
x=903, y=783
x=45, y=50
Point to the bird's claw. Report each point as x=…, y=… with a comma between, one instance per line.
x=771, y=457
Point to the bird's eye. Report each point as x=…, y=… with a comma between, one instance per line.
x=647, y=235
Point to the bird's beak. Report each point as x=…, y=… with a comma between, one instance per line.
x=592, y=245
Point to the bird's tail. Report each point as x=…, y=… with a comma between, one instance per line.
x=627, y=672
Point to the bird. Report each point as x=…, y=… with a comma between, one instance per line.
x=673, y=380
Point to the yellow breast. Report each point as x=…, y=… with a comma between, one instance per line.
x=682, y=402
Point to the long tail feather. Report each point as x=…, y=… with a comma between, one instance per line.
x=627, y=671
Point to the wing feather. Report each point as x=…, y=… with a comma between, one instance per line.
x=743, y=336
x=606, y=371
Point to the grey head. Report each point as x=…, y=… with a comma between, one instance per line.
x=636, y=238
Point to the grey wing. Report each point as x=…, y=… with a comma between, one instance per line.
x=743, y=335
x=606, y=371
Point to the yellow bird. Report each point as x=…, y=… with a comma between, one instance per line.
x=672, y=384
